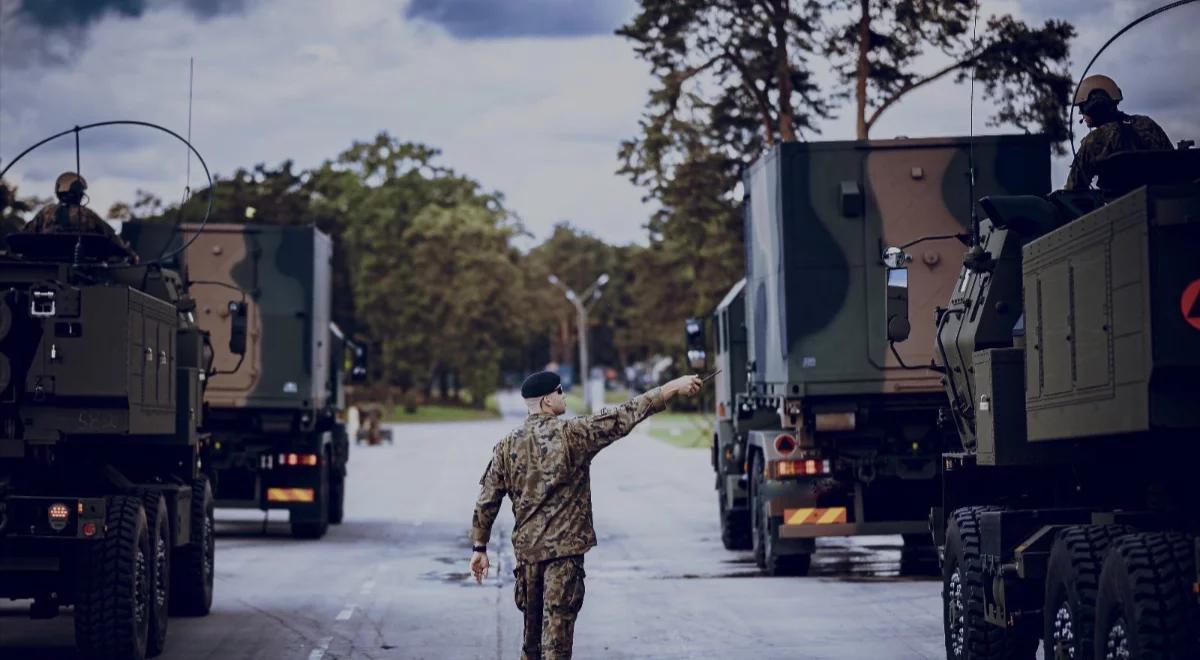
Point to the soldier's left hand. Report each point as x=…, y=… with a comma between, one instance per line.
x=479, y=566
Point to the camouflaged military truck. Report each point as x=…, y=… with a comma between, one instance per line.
x=1071, y=348
x=102, y=504
x=279, y=441
x=823, y=428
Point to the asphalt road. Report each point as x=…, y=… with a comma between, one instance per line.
x=392, y=581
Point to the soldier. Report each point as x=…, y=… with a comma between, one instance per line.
x=70, y=216
x=544, y=468
x=1112, y=130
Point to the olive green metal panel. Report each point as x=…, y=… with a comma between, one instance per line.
x=1110, y=348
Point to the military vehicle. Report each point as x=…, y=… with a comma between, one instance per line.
x=1071, y=349
x=275, y=410
x=102, y=369
x=824, y=428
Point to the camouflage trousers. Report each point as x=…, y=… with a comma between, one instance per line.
x=550, y=594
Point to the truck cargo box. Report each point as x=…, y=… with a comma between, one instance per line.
x=818, y=218
x=286, y=364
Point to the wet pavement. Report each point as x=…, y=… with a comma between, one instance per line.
x=392, y=581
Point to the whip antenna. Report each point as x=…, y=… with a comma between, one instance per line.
x=187, y=187
x=971, y=139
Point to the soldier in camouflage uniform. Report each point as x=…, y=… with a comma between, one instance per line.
x=544, y=468
x=69, y=215
x=1112, y=130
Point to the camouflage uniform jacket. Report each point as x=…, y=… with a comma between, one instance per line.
x=61, y=218
x=545, y=468
x=1131, y=133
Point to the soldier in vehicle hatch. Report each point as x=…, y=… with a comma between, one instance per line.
x=70, y=216
x=1112, y=130
x=544, y=468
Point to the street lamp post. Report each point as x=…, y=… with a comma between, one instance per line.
x=583, y=304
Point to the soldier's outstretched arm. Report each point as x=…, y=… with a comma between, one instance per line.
x=491, y=495
x=588, y=435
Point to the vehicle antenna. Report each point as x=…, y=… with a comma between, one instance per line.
x=1150, y=14
x=971, y=136
x=187, y=187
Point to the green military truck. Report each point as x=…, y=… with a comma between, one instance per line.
x=276, y=411
x=1071, y=348
x=824, y=427
x=102, y=504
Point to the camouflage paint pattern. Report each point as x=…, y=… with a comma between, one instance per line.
x=545, y=469
x=819, y=217
x=285, y=273
x=550, y=595
x=1131, y=133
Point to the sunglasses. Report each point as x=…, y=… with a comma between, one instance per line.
x=558, y=390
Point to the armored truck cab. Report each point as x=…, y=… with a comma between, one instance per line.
x=102, y=505
x=273, y=410
x=835, y=431
x=1073, y=342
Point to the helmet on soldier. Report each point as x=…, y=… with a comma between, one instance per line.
x=1097, y=84
x=69, y=188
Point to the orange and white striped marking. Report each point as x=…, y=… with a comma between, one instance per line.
x=290, y=495
x=814, y=516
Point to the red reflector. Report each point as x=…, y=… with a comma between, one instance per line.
x=89, y=529
x=785, y=444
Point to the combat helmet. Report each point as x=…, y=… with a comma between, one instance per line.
x=1097, y=83
x=69, y=188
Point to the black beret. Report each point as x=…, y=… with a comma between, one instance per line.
x=540, y=384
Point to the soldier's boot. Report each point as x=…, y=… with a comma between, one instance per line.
x=562, y=592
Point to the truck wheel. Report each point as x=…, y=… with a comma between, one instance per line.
x=193, y=564
x=735, y=532
x=315, y=529
x=1072, y=580
x=160, y=570
x=337, y=500
x=1146, y=608
x=112, y=609
x=757, y=514
x=968, y=635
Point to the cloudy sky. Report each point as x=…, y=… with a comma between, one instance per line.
x=531, y=97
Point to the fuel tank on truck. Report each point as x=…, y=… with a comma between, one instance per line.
x=819, y=215
x=284, y=274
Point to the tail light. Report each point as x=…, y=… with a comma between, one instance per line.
x=799, y=468
x=298, y=460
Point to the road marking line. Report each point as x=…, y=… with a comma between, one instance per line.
x=322, y=647
x=345, y=614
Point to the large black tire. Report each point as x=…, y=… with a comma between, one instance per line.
x=315, y=529
x=337, y=499
x=1146, y=608
x=112, y=608
x=735, y=526
x=160, y=571
x=1072, y=582
x=193, y=566
x=757, y=514
x=968, y=636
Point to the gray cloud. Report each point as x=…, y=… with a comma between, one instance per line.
x=53, y=32
x=487, y=19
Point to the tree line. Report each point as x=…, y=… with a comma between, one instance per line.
x=426, y=265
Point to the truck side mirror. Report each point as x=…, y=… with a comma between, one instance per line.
x=697, y=357
x=898, y=325
x=358, y=363
x=237, y=328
